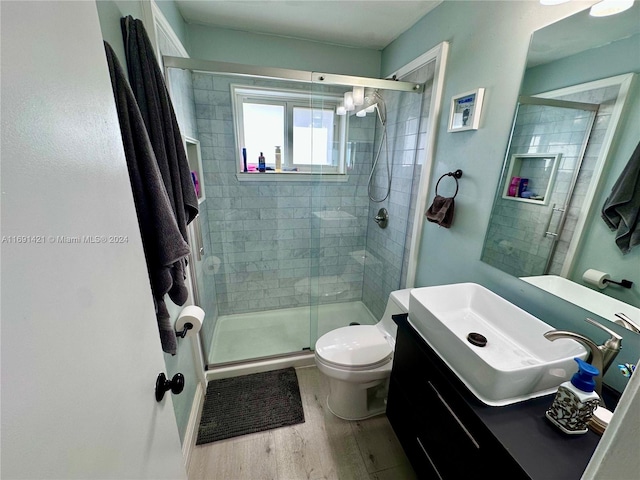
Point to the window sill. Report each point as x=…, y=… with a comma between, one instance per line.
x=290, y=177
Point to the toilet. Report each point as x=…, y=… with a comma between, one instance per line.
x=357, y=360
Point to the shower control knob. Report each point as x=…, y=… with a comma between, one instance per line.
x=176, y=385
x=382, y=218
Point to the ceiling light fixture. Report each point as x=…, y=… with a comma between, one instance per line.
x=358, y=96
x=610, y=7
x=348, y=101
x=552, y=2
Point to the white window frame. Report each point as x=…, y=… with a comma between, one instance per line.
x=290, y=99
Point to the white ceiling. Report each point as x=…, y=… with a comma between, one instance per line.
x=365, y=24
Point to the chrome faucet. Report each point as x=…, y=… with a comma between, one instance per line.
x=626, y=322
x=601, y=356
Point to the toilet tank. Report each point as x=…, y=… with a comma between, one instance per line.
x=398, y=302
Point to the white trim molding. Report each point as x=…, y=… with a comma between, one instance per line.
x=191, y=433
x=439, y=54
x=161, y=24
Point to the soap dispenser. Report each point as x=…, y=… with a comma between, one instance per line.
x=575, y=401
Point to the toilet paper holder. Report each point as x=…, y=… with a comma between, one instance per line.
x=187, y=326
x=623, y=283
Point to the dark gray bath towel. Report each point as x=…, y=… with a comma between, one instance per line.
x=161, y=237
x=441, y=211
x=157, y=111
x=621, y=210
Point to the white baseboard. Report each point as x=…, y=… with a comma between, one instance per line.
x=191, y=434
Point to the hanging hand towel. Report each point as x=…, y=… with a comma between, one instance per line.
x=441, y=211
x=621, y=210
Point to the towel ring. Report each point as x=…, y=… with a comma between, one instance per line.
x=456, y=175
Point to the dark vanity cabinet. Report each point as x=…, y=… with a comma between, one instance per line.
x=448, y=434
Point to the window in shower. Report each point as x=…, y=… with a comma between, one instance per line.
x=311, y=137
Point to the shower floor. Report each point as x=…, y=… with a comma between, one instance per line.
x=276, y=332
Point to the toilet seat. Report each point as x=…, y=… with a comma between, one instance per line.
x=358, y=347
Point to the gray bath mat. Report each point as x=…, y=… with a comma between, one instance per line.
x=250, y=403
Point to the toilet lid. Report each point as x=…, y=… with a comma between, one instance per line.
x=354, y=346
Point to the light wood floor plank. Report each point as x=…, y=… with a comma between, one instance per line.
x=324, y=447
x=378, y=443
x=249, y=457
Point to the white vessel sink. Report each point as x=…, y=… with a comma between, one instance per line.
x=517, y=363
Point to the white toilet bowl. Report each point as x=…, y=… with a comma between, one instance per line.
x=357, y=359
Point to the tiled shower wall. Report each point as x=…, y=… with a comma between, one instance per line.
x=515, y=240
x=277, y=245
x=387, y=253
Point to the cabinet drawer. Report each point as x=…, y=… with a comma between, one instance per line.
x=438, y=441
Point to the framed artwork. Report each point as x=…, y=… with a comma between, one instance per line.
x=465, y=111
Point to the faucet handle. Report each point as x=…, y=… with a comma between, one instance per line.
x=614, y=336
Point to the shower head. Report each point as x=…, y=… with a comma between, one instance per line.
x=373, y=101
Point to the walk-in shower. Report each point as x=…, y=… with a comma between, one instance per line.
x=286, y=254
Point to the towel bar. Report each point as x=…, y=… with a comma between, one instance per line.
x=456, y=175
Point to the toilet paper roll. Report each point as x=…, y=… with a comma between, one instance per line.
x=596, y=277
x=193, y=315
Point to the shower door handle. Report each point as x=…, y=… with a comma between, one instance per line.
x=197, y=230
x=554, y=209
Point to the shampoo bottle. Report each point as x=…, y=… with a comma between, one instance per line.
x=575, y=401
x=262, y=166
x=278, y=159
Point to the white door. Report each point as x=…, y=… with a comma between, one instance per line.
x=80, y=347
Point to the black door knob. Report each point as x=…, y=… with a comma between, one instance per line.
x=176, y=385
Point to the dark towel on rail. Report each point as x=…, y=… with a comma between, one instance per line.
x=441, y=211
x=147, y=83
x=621, y=210
x=161, y=238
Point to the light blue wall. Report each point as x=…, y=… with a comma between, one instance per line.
x=488, y=52
x=110, y=12
x=219, y=44
x=613, y=59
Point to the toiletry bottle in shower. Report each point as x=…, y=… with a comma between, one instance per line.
x=244, y=159
x=278, y=159
x=261, y=163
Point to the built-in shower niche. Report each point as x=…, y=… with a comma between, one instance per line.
x=530, y=177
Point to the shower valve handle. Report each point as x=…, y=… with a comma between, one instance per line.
x=382, y=218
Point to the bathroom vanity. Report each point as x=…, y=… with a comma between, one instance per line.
x=448, y=434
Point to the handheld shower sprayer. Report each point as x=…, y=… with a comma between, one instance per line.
x=374, y=100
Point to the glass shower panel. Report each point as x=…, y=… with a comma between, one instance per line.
x=254, y=275
x=339, y=214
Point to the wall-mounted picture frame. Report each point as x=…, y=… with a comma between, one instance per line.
x=465, y=111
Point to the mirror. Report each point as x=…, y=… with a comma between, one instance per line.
x=558, y=155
